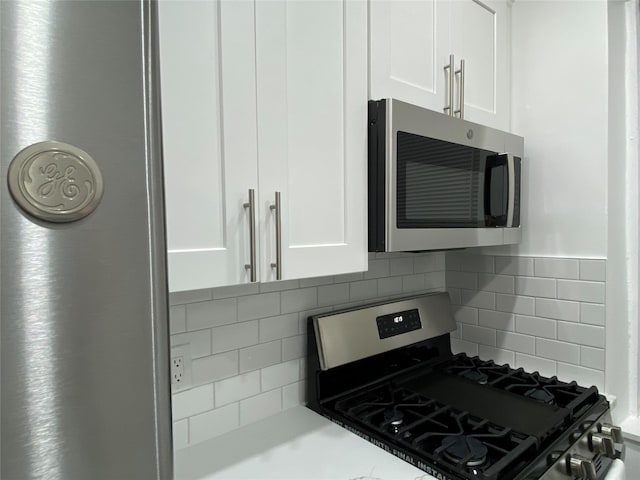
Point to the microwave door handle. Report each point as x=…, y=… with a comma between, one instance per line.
x=511, y=199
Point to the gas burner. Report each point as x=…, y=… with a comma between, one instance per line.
x=464, y=449
x=475, y=376
x=541, y=395
x=395, y=418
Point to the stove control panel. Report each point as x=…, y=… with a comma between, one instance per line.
x=397, y=323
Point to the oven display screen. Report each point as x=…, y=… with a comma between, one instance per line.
x=398, y=323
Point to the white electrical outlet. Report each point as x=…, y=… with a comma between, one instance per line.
x=180, y=367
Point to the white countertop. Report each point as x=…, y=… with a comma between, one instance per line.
x=295, y=444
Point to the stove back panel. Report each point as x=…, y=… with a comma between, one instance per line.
x=498, y=406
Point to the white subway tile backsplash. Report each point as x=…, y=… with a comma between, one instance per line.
x=520, y=266
x=302, y=299
x=191, y=296
x=316, y=281
x=193, y=401
x=293, y=395
x=516, y=342
x=279, y=286
x=236, y=388
x=593, y=270
x=427, y=263
x=498, y=355
x=462, y=346
x=497, y=320
x=558, y=309
x=199, y=342
x=581, y=333
x=211, y=314
x=215, y=367
x=539, y=327
x=237, y=335
x=261, y=406
x=281, y=374
x=514, y=304
x=177, y=319
x=363, y=290
x=282, y=326
x=389, y=286
x=413, y=283
x=260, y=356
x=479, y=299
x=213, y=423
x=258, y=306
x=584, y=376
x=465, y=314
x=401, y=266
x=555, y=267
x=592, y=357
x=544, y=366
x=333, y=294
x=303, y=368
x=377, y=269
x=581, y=291
x=562, y=351
x=462, y=280
x=294, y=347
x=348, y=277
x=236, y=290
x=473, y=333
x=470, y=262
x=454, y=295
x=496, y=283
x=181, y=434
x=435, y=280
x=536, y=287
x=592, y=313
x=458, y=331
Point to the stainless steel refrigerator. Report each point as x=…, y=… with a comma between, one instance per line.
x=84, y=330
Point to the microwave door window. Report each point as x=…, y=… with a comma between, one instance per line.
x=439, y=184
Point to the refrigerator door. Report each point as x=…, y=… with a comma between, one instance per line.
x=84, y=329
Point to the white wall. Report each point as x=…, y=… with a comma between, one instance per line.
x=559, y=105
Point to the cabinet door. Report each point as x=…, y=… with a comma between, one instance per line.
x=480, y=36
x=312, y=117
x=409, y=49
x=207, y=67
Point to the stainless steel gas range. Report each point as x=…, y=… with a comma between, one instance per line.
x=386, y=373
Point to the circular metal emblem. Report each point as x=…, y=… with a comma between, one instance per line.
x=470, y=134
x=55, y=181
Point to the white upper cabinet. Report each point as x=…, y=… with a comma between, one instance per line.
x=407, y=54
x=207, y=67
x=300, y=130
x=312, y=120
x=479, y=34
x=410, y=44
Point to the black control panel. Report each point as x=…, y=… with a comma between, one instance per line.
x=398, y=323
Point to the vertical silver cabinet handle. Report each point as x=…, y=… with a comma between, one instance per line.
x=460, y=110
x=252, y=233
x=449, y=108
x=278, y=211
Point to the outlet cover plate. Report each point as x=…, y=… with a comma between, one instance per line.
x=181, y=352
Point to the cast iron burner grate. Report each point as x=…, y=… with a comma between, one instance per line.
x=434, y=432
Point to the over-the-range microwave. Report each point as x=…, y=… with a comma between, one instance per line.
x=439, y=182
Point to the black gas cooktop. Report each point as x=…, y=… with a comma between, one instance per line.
x=454, y=416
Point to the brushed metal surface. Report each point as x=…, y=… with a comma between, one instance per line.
x=345, y=337
x=55, y=181
x=84, y=330
x=404, y=117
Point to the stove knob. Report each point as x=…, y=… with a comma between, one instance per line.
x=612, y=431
x=602, y=444
x=581, y=468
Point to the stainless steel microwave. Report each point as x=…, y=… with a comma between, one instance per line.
x=439, y=182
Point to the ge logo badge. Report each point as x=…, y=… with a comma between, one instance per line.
x=55, y=182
